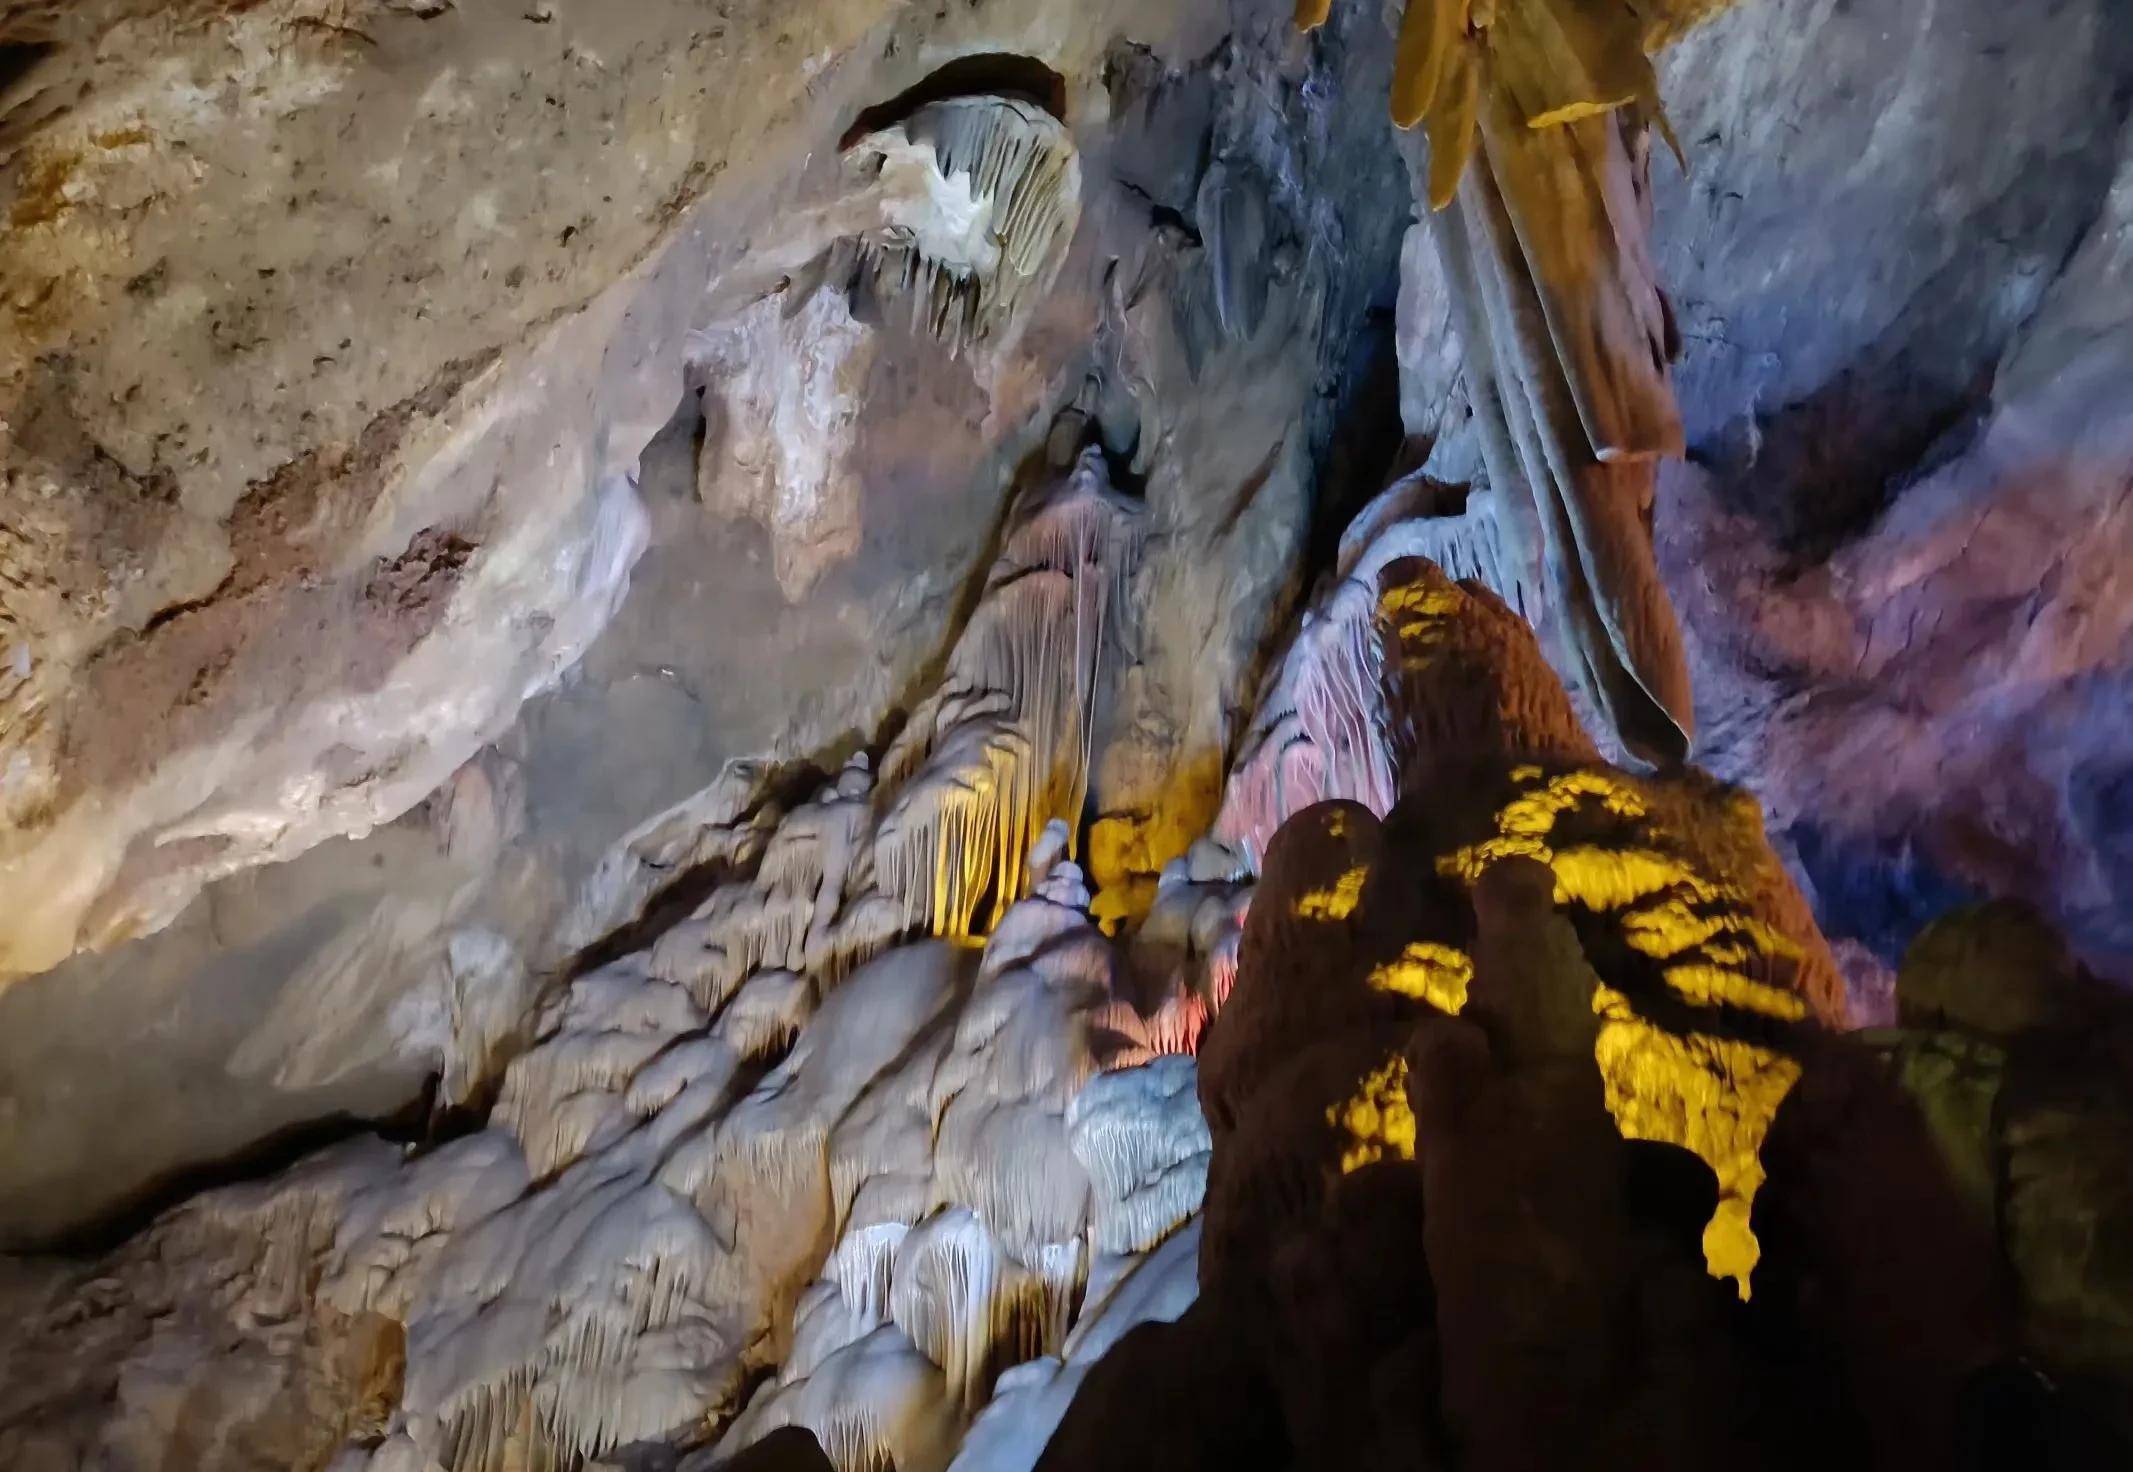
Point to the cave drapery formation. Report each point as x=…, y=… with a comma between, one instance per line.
x=1539, y=117
x=1146, y=997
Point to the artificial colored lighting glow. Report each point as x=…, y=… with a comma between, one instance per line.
x=1377, y=1118
x=1713, y=1095
x=1428, y=972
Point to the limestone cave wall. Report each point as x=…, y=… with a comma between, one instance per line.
x=989, y=735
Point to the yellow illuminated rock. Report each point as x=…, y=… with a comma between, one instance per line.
x=1336, y=903
x=1412, y=609
x=1377, y=1119
x=1428, y=972
x=1558, y=61
x=1712, y=1095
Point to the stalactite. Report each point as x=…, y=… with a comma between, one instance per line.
x=992, y=764
x=1176, y=1025
x=863, y=1266
x=867, y=926
x=1473, y=544
x=1140, y=1135
x=1020, y=1051
x=946, y=842
x=604, y=1306
x=1558, y=61
x=1327, y=736
x=569, y=1324
x=1222, y=968
x=697, y=1063
x=1539, y=116
x=767, y=1013
x=873, y=1404
x=1592, y=498
x=966, y=1303
x=881, y=1156
x=563, y=1098
x=987, y=223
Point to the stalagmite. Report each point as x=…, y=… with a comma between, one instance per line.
x=1684, y=877
x=1620, y=851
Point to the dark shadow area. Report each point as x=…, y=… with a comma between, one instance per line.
x=1363, y=451
x=1878, y=894
x=788, y=1449
x=267, y=1157
x=988, y=74
x=17, y=60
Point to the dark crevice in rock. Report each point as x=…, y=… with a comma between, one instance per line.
x=676, y=899
x=1163, y=217
x=1362, y=453
x=992, y=73
x=17, y=60
x=258, y=1161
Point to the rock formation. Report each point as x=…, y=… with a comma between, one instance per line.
x=999, y=202
x=957, y=738
x=1539, y=118
x=1449, y=1219
x=775, y=1089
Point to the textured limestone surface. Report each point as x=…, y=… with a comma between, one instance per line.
x=799, y=574
x=885, y=1113
x=1819, y=622
x=810, y=1128
x=795, y=1164
x=1898, y=539
x=709, y=612
x=335, y=333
